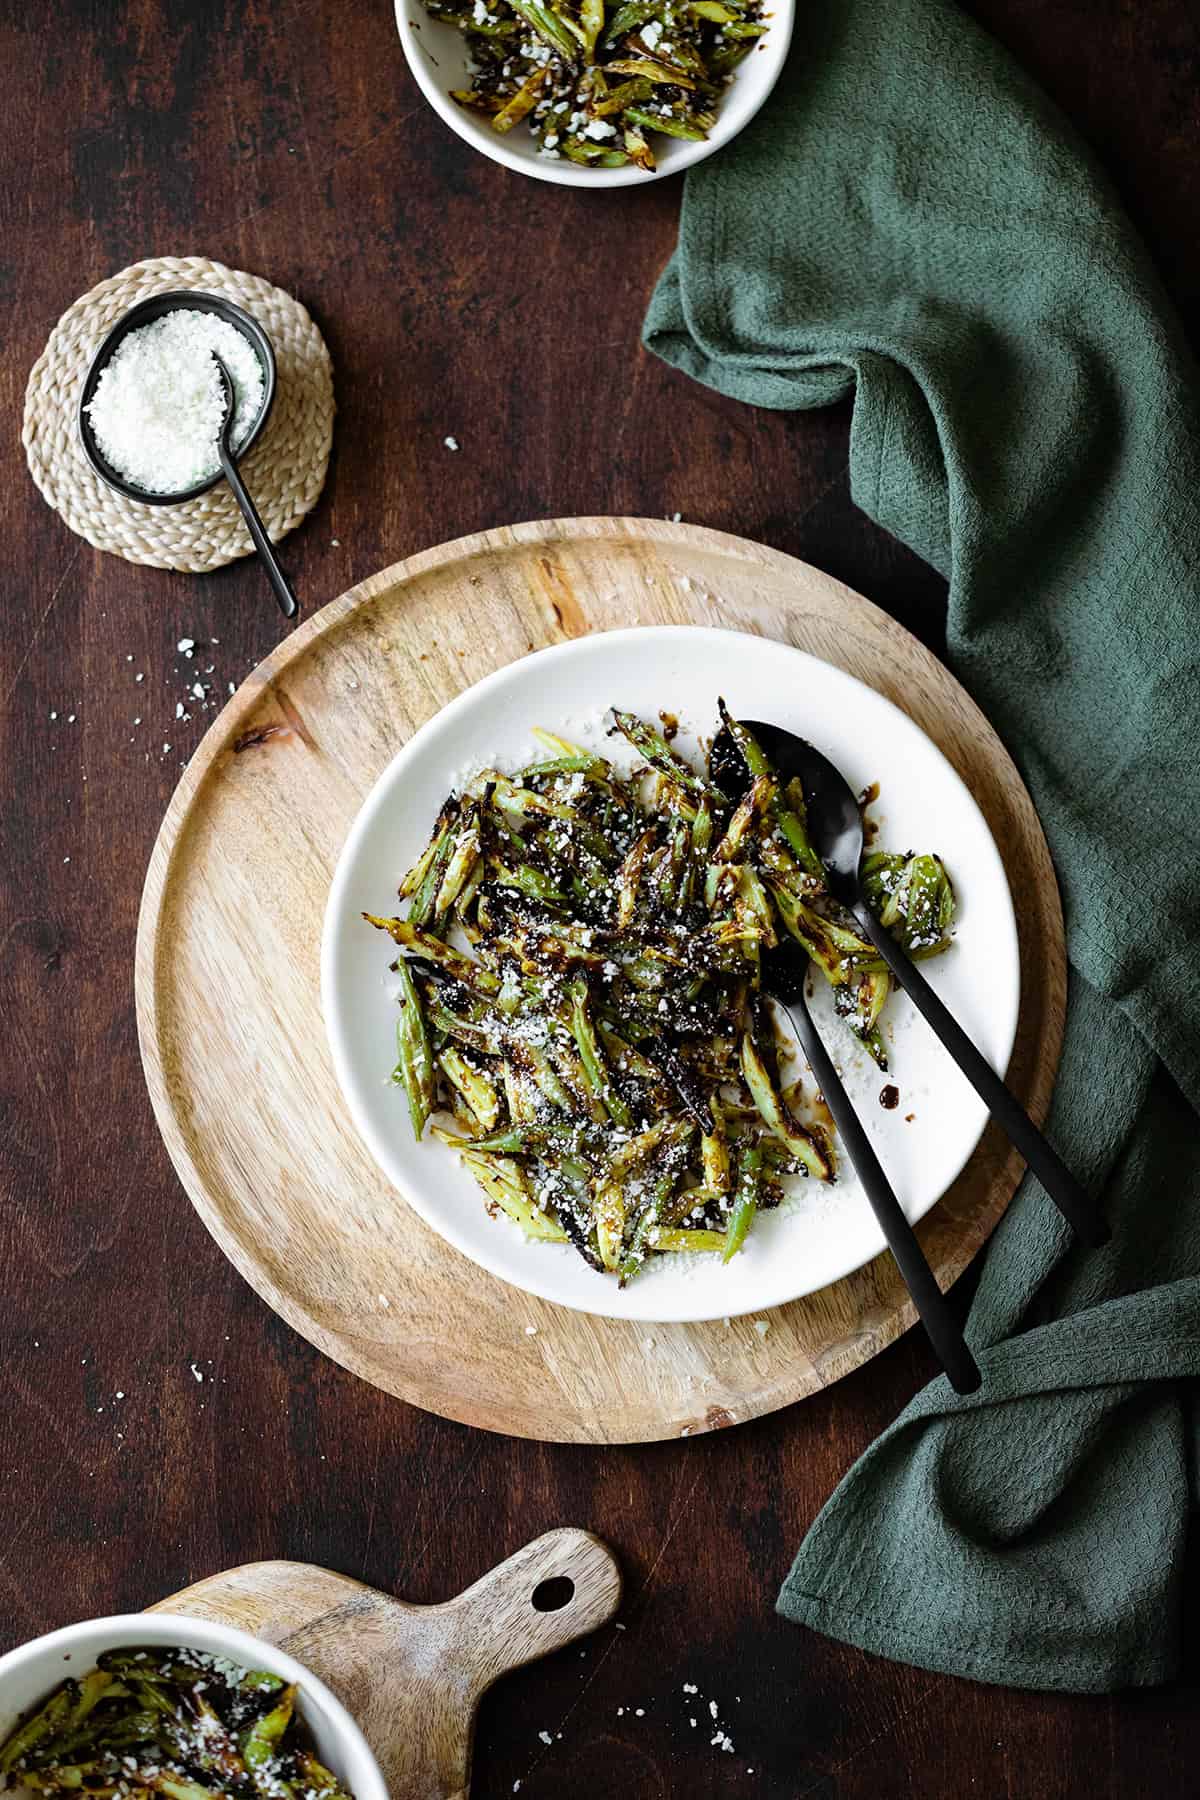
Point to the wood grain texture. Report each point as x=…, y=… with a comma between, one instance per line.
x=288, y=139
x=412, y=1676
x=229, y=1006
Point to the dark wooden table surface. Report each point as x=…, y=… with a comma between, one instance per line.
x=457, y=299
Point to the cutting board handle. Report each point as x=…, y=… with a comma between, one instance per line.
x=552, y=1591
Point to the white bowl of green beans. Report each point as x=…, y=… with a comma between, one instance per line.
x=596, y=93
x=61, y=1690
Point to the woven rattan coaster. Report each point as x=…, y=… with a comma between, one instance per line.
x=284, y=472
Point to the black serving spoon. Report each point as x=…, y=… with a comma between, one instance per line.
x=784, y=975
x=835, y=830
x=254, y=525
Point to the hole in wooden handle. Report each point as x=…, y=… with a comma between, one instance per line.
x=553, y=1594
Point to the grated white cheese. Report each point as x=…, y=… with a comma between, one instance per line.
x=159, y=404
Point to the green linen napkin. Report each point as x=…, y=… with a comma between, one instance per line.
x=910, y=221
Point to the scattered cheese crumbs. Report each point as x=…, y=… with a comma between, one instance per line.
x=689, y=1687
x=686, y=1431
x=232, y=689
x=198, y=1373
x=70, y=718
x=531, y=1331
x=712, y=1707
x=120, y=1393
x=335, y=543
x=599, y=129
x=620, y=1627
x=66, y=859
x=166, y=750
x=692, y=1723
x=762, y=1326
x=384, y=1301
x=54, y=715
x=139, y=678
x=675, y=518
x=545, y=1737
x=179, y=709
x=198, y=690
x=451, y=443
x=186, y=644
x=640, y=1712
x=723, y=1741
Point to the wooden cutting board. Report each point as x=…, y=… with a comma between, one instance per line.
x=412, y=1676
x=229, y=1010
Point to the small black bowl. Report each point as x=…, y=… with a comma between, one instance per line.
x=142, y=314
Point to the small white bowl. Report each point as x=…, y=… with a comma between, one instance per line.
x=29, y=1675
x=437, y=56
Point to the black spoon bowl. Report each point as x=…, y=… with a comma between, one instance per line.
x=144, y=313
x=785, y=975
x=835, y=832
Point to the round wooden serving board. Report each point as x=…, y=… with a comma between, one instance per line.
x=412, y=1676
x=228, y=983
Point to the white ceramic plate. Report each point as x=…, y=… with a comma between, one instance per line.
x=824, y=1231
x=437, y=56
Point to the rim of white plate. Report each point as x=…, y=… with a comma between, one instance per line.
x=338, y=910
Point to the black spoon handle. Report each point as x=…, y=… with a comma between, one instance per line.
x=1068, y=1195
x=283, y=588
x=943, y=1330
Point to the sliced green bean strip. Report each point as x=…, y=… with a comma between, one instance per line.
x=51, y=1719
x=521, y=103
x=628, y=18
x=475, y=1086
x=775, y=1115
x=592, y=1057
x=745, y=1200
x=679, y=1238
x=548, y=25
x=652, y=71
x=648, y=742
x=414, y=1066
x=261, y=1742
x=675, y=128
